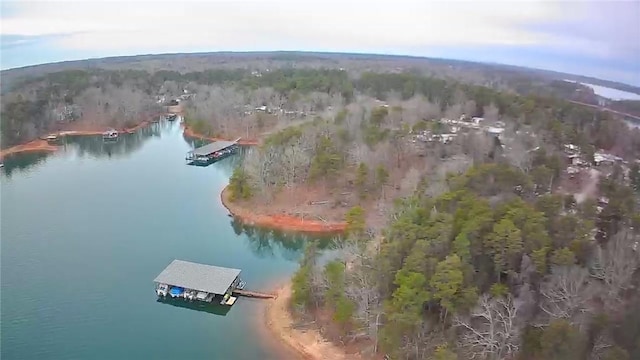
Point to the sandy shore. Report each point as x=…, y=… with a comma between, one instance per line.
x=308, y=343
x=280, y=222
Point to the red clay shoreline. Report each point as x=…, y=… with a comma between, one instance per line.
x=274, y=221
x=37, y=145
x=40, y=145
x=280, y=221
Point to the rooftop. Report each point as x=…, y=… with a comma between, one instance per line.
x=201, y=277
x=213, y=147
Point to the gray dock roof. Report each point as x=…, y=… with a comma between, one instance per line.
x=207, y=278
x=213, y=147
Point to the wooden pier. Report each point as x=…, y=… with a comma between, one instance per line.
x=254, y=294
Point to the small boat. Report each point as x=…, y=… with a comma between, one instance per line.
x=52, y=138
x=176, y=291
x=162, y=290
x=110, y=134
x=1, y=165
x=241, y=285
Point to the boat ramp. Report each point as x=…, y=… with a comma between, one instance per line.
x=207, y=283
x=210, y=153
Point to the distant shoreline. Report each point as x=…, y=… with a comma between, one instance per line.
x=40, y=145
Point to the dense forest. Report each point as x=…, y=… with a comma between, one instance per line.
x=489, y=217
x=489, y=270
x=486, y=252
x=351, y=147
x=119, y=92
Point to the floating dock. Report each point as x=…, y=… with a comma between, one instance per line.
x=200, y=282
x=208, y=154
x=193, y=281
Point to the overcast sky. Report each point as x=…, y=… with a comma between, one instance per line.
x=598, y=38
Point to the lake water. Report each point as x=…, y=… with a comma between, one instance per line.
x=613, y=94
x=87, y=229
x=610, y=93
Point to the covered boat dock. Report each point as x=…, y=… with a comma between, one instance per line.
x=210, y=153
x=193, y=281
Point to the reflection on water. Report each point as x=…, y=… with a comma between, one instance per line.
x=265, y=243
x=59, y=238
x=125, y=145
x=93, y=146
x=195, y=143
x=23, y=161
x=211, y=308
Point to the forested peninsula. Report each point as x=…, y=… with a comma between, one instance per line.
x=487, y=212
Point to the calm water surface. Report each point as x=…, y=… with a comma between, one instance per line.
x=86, y=230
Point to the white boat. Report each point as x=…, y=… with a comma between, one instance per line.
x=162, y=290
x=110, y=134
x=241, y=285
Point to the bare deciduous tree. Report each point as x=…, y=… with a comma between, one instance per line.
x=492, y=330
x=616, y=265
x=410, y=181
x=566, y=294
x=478, y=146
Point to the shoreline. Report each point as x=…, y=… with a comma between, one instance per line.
x=281, y=221
x=37, y=145
x=276, y=318
x=190, y=133
x=40, y=145
x=308, y=343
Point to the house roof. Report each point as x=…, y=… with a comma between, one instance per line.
x=201, y=277
x=213, y=147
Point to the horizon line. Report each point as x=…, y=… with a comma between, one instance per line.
x=390, y=55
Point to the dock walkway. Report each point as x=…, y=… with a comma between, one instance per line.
x=254, y=294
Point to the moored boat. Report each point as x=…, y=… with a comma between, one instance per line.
x=110, y=134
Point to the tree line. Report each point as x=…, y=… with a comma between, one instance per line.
x=118, y=96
